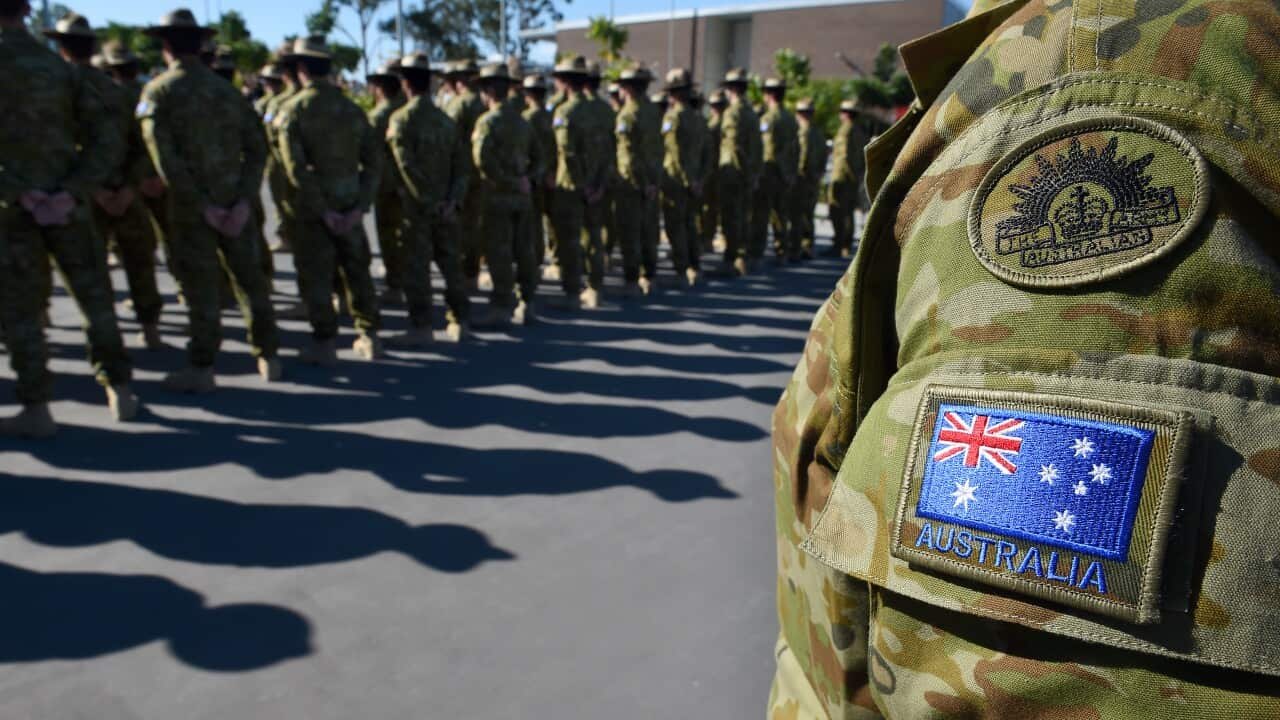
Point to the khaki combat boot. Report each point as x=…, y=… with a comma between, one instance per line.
x=691, y=277
x=551, y=272
x=34, y=421
x=191, y=380
x=492, y=317
x=590, y=298
x=150, y=337
x=647, y=286
x=270, y=369
x=457, y=332
x=122, y=403
x=340, y=305
x=741, y=268
x=524, y=314
x=321, y=353
x=418, y=337
x=484, y=281
x=368, y=347
x=719, y=244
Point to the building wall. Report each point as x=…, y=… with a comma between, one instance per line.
x=856, y=30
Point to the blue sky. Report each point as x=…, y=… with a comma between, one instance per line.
x=271, y=20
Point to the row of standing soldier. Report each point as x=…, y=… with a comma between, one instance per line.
x=486, y=177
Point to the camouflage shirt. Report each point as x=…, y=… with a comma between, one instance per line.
x=329, y=151
x=813, y=154
x=138, y=165
x=464, y=109
x=572, y=125
x=601, y=162
x=847, y=162
x=53, y=139
x=116, y=119
x=380, y=118
x=638, y=137
x=740, y=149
x=780, y=137
x=430, y=155
x=202, y=135
x=504, y=150
x=685, y=141
x=543, y=134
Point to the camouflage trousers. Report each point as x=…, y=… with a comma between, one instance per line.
x=734, y=213
x=388, y=213
x=201, y=259
x=539, y=224
x=679, y=216
x=770, y=209
x=709, y=212
x=317, y=256
x=594, y=217
x=650, y=236
x=281, y=193
x=629, y=207
x=843, y=199
x=567, y=211
x=472, y=235
x=423, y=240
x=25, y=252
x=612, y=233
x=804, y=203
x=133, y=238
x=508, y=245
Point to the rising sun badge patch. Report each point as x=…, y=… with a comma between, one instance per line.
x=1065, y=499
x=1088, y=201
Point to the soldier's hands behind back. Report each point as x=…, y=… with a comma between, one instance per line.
x=49, y=210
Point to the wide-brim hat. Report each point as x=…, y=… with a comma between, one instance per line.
x=717, y=99
x=463, y=68
x=115, y=54
x=638, y=75
x=71, y=25
x=271, y=71
x=736, y=76
x=658, y=98
x=386, y=72
x=308, y=47
x=574, y=66
x=774, y=83
x=495, y=73
x=804, y=106
x=181, y=19
x=678, y=79
x=534, y=82
x=413, y=62
x=849, y=106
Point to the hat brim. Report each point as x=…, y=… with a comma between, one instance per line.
x=294, y=56
x=382, y=76
x=677, y=86
x=54, y=34
x=162, y=30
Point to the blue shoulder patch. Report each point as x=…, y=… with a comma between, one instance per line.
x=1063, y=498
x=1058, y=480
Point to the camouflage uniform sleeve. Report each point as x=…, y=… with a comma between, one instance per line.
x=675, y=147
x=405, y=149
x=463, y=174
x=158, y=135
x=103, y=147
x=569, y=140
x=293, y=156
x=371, y=150
x=253, y=144
x=486, y=153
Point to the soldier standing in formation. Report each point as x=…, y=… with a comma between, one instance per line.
x=813, y=165
x=710, y=221
x=334, y=162
x=779, y=137
x=539, y=118
x=207, y=144
x=847, y=165
x=464, y=107
x=388, y=212
x=508, y=162
x=601, y=165
x=684, y=175
x=435, y=171
x=637, y=131
x=739, y=171
x=575, y=175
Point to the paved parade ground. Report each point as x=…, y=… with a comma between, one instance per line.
x=571, y=520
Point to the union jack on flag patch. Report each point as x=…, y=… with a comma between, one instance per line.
x=975, y=440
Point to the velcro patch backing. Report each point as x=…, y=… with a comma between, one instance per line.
x=1061, y=498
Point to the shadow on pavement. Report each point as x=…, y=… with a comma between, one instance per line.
x=45, y=616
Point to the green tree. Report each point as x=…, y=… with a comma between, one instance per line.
x=611, y=37
x=440, y=28
x=325, y=20
x=887, y=86
x=233, y=31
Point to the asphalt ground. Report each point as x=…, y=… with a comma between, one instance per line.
x=569, y=520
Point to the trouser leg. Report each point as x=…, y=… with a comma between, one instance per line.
x=567, y=216
x=627, y=210
x=353, y=260
x=448, y=258
x=23, y=275
x=315, y=260
x=242, y=259
x=194, y=263
x=499, y=247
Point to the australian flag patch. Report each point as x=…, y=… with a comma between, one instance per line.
x=1066, y=498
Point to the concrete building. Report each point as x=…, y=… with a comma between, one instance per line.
x=833, y=33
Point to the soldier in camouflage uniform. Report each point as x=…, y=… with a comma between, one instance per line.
x=780, y=139
x=739, y=171
x=847, y=165
x=638, y=138
x=464, y=108
x=508, y=161
x=388, y=212
x=334, y=163
x=813, y=166
x=709, y=226
x=434, y=167
x=272, y=81
x=60, y=144
x=277, y=179
x=577, y=174
x=120, y=214
x=602, y=164
x=207, y=144
x=1028, y=465
x=539, y=118
x=685, y=165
